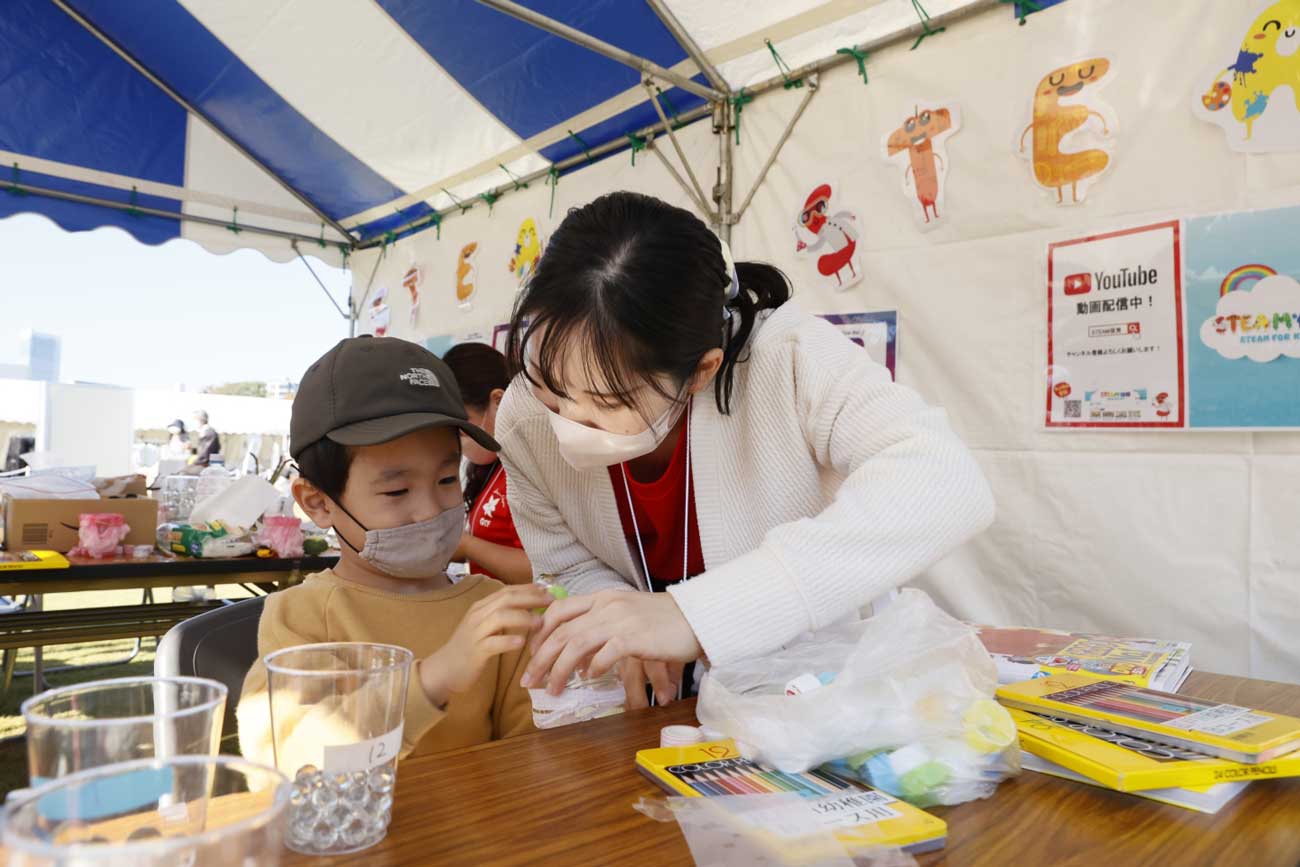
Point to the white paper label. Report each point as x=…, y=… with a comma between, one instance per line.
x=805, y=817
x=363, y=755
x=1224, y=719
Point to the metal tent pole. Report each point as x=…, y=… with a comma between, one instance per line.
x=577, y=159
x=722, y=189
x=20, y=187
x=689, y=45
x=672, y=136
x=613, y=52
x=776, y=151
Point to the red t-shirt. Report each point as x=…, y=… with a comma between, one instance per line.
x=660, y=512
x=490, y=519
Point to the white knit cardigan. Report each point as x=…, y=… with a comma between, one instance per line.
x=826, y=486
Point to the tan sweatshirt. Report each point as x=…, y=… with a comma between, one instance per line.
x=327, y=608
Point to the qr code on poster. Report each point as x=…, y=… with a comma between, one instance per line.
x=1074, y=409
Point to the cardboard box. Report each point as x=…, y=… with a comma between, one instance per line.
x=121, y=486
x=51, y=525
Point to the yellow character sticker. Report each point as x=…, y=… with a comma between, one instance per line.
x=1070, y=138
x=1244, y=98
x=528, y=249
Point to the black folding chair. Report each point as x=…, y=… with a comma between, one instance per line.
x=220, y=645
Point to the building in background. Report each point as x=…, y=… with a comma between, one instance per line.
x=281, y=389
x=33, y=356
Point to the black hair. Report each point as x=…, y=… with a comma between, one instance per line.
x=641, y=285
x=479, y=370
x=325, y=464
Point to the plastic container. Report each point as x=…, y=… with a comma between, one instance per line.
x=584, y=698
x=213, y=480
x=336, y=716
x=198, y=811
x=75, y=728
x=179, y=494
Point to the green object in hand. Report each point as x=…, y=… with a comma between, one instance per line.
x=552, y=587
x=315, y=546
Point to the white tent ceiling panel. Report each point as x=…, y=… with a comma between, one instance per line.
x=404, y=116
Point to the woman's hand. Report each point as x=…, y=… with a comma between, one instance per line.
x=665, y=677
x=598, y=630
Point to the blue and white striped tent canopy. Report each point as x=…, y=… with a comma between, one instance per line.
x=343, y=120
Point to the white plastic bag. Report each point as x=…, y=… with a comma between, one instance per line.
x=911, y=677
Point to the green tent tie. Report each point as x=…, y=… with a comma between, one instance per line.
x=436, y=222
x=672, y=109
x=234, y=221
x=13, y=188
x=132, y=208
x=860, y=57
x=389, y=238
x=738, y=103
x=457, y=202
x=553, y=181
x=926, y=30
x=491, y=199
x=322, y=236
x=783, y=67
x=638, y=143
x=582, y=144
x=519, y=183
x=1026, y=7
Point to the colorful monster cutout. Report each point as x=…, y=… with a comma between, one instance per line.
x=412, y=280
x=833, y=238
x=466, y=273
x=528, y=249
x=918, y=147
x=1072, y=129
x=1267, y=60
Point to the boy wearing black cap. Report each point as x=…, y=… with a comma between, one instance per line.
x=375, y=434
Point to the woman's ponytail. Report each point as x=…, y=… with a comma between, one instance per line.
x=762, y=287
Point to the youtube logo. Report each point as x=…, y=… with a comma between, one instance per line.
x=1078, y=284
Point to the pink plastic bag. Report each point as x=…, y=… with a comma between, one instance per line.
x=100, y=534
x=281, y=534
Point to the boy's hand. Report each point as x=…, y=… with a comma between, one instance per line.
x=492, y=626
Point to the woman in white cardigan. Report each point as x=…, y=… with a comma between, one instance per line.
x=677, y=414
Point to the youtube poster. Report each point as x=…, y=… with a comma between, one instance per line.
x=1114, y=330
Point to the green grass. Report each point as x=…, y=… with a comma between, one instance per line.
x=98, y=660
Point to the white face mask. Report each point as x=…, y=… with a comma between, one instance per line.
x=586, y=448
x=419, y=550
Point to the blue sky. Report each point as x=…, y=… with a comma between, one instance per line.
x=135, y=315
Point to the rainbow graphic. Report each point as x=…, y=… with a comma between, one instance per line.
x=1244, y=277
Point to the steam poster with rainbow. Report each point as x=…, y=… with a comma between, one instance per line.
x=1243, y=319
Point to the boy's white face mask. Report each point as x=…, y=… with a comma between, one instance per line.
x=587, y=448
x=419, y=550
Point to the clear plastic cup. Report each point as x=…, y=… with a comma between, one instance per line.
x=336, y=721
x=195, y=811
x=75, y=728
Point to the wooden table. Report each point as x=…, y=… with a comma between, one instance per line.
x=565, y=797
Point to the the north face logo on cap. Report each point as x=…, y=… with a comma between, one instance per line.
x=420, y=376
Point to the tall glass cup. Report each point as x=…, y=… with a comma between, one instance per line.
x=193, y=811
x=75, y=728
x=336, y=721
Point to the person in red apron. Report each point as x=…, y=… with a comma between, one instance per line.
x=489, y=543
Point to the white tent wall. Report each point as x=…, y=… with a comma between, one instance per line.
x=495, y=233
x=1190, y=536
